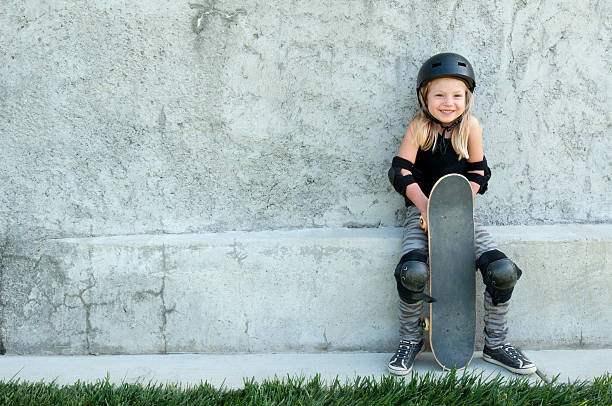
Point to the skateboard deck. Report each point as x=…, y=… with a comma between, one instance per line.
x=452, y=318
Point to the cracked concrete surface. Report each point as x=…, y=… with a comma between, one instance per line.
x=77, y=294
x=305, y=290
x=87, y=307
x=165, y=311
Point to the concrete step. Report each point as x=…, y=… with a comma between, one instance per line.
x=314, y=290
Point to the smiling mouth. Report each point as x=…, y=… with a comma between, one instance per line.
x=447, y=111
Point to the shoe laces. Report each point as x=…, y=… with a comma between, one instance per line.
x=511, y=351
x=405, y=348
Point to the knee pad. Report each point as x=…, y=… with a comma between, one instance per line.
x=411, y=275
x=499, y=274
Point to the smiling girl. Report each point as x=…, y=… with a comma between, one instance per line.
x=444, y=137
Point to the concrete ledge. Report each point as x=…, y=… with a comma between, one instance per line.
x=282, y=291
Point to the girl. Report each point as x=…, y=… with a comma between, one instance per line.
x=445, y=138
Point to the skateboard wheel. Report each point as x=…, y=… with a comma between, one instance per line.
x=422, y=222
x=425, y=323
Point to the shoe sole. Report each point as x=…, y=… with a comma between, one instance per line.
x=406, y=372
x=525, y=371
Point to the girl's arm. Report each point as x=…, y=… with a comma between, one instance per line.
x=475, y=150
x=408, y=150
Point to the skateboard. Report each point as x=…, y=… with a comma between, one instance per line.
x=452, y=318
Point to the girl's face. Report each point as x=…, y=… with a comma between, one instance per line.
x=446, y=99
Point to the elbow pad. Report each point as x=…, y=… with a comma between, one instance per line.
x=481, y=180
x=399, y=181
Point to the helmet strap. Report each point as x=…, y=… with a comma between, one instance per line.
x=445, y=128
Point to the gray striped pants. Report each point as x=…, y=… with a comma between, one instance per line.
x=415, y=238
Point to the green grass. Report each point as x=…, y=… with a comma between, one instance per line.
x=449, y=389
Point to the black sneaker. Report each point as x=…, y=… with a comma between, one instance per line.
x=508, y=357
x=401, y=362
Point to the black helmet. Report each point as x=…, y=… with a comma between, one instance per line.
x=447, y=65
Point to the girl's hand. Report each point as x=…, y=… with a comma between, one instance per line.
x=475, y=186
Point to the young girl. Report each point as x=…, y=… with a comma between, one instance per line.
x=445, y=138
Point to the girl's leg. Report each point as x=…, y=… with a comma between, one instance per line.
x=496, y=328
x=410, y=320
x=495, y=324
x=410, y=314
x=497, y=350
x=414, y=252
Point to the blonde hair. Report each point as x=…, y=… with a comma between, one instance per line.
x=426, y=133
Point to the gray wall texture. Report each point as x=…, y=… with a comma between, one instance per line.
x=128, y=117
x=123, y=117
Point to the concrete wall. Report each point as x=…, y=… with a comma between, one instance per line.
x=125, y=117
x=117, y=117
